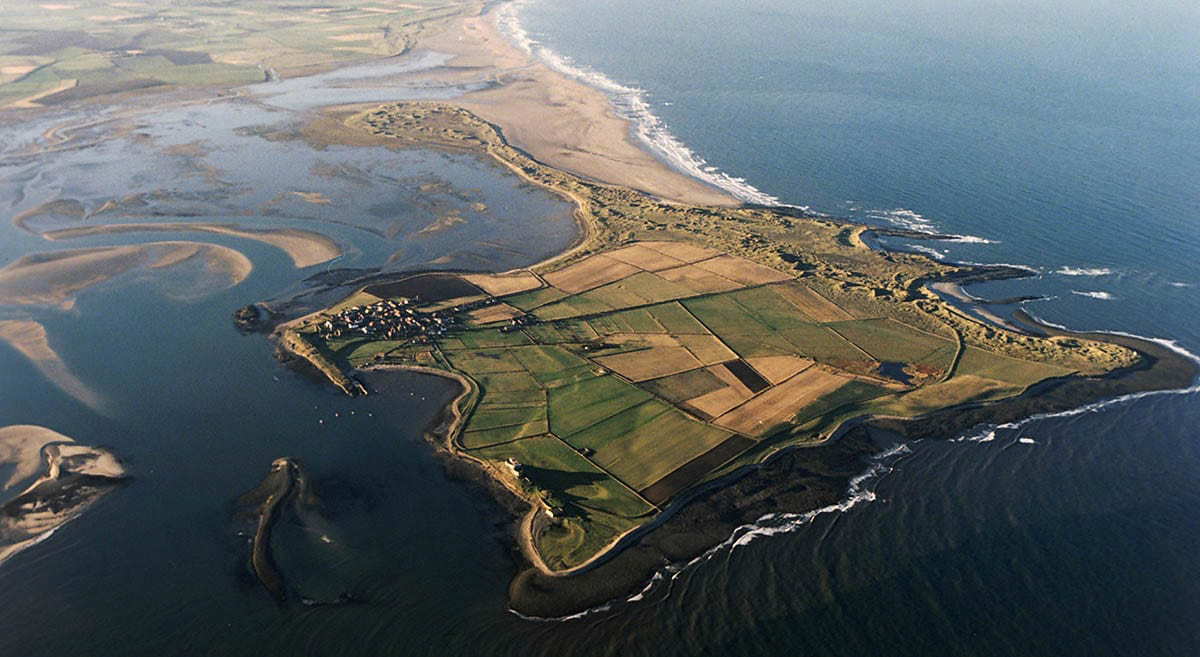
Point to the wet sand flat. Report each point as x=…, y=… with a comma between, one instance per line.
x=54, y=278
x=305, y=248
x=30, y=340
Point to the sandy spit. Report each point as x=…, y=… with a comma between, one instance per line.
x=556, y=119
x=67, y=486
x=29, y=339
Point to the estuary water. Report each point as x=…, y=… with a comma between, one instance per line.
x=156, y=372
x=1062, y=138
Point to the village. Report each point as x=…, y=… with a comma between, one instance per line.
x=401, y=319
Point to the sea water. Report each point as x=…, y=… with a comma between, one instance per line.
x=1061, y=136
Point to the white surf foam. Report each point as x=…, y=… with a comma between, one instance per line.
x=1180, y=284
x=905, y=218
x=929, y=251
x=919, y=223
x=631, y=104
x=1095, y=294
x=987, y=433
x=1084, y=271
x=641, y=595
x=771, y=524
x=1032, y=270
x=970, y=239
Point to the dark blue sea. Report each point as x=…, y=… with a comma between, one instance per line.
x=1062, y=136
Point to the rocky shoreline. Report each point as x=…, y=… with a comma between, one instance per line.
x=802, y=480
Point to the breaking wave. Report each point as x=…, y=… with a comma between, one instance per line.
x=1084, y=271
x=970, y=239
x=1095, y=294
x=987, y=433
x=919, y=223
x=929, y=251
x=1032, y=270
x=771, y=524
x=631, y=105
x=904, y=218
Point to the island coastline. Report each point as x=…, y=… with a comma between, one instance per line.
x=539, y=592
x=630, y=560
x=538, y=113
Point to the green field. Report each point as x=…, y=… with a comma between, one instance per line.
x=589, y=441
x=851, y=393
x=684, y=386
x=85, y=48
x=769, y=308
x=646, y=442
x=597, y=507
x=887, y=340
x=484, y=361
x=576, y=406
x=1009, y=370
x=551, y=364
x=535, y=298
x=573, y=306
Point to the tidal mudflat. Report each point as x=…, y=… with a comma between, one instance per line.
x=129, y=237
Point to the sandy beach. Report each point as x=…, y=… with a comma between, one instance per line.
x=557, y=120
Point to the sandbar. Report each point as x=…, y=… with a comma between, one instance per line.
x=55, y=278
x=29, y=339
x=305, y=248
x=74, y=477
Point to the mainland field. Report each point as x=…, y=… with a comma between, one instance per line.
x=63, y=52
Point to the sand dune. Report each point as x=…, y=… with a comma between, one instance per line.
x=556, y=119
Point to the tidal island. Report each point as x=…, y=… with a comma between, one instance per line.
x=685, y=369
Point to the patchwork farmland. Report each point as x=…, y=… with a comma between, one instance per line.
x=609, y=386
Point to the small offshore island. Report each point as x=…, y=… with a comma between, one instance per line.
x=686, y=369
